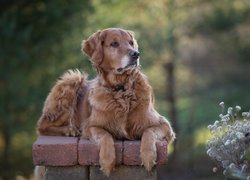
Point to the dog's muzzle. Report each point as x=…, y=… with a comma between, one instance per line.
x=133, y=61
x=134, y=57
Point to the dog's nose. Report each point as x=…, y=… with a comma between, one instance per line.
x=134, y=54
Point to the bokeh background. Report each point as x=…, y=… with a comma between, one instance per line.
x=196, y=53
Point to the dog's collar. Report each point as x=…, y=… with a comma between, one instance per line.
x=119, y=87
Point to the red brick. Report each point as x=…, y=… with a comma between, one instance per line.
x=131, y=153
x=162, y=152
x=88, y=152
x=55, y=151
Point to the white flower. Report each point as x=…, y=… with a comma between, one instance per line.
x=222, y=104
x=244, y=114
x=232, y=166
x=209, y=127
x=242, y=157
x=238, y=108
x=225, y=118
x=233, y=141
x=230, y=110
x=219, y=128
x=208, y=151
x=224, y=172
x=244, y=167
x=215, y=169
x=227, y=137
x=240, y=135
x=227, y=142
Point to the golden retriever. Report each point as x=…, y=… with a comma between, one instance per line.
x=117, y=105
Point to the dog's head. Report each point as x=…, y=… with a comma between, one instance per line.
x=112, y=49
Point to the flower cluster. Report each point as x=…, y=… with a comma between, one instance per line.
x=230, y=142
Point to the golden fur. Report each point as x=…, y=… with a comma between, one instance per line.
x=117, y=104
x=59, y=116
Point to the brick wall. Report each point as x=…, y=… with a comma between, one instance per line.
x=74, y=158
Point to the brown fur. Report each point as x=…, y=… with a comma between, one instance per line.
x=60, y=108
x=105, y=110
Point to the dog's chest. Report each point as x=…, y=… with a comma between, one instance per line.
x=111, y=109
x=126, y=101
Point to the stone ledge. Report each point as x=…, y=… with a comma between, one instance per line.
x=55, y=151
x=77, y=172
x=88, y=152
x=131, y=153
x=123, y=172
x=69, y=151
x=66, y=173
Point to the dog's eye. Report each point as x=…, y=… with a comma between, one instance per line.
x=131, y=43
x=114, y=44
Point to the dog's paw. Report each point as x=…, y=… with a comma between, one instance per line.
x=148, y=157
x=50, y=116
x=107, y=168
x=72, y=131
x=107, y=159
x=170, y=136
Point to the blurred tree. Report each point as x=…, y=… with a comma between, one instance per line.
x=170, y=69
x=38, y=43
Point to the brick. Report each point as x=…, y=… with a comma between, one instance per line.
x=55, y=151
x=131, y=153
x=88, y=152
x=162, y=152
x=123, y=172
x=66, y=173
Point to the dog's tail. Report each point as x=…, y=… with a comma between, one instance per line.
x=73, y=77
x=60, y=106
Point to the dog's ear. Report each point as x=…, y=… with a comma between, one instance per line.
x=132, y=35
x=92, y=47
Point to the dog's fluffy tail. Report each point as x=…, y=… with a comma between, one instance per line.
x=61, y=103
x=73, y=77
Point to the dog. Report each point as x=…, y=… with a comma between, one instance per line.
x=117, y=105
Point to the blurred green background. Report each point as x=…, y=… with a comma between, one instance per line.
x=196, y=53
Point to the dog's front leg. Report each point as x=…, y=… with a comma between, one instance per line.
x=107, y=148
x=150, y=136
